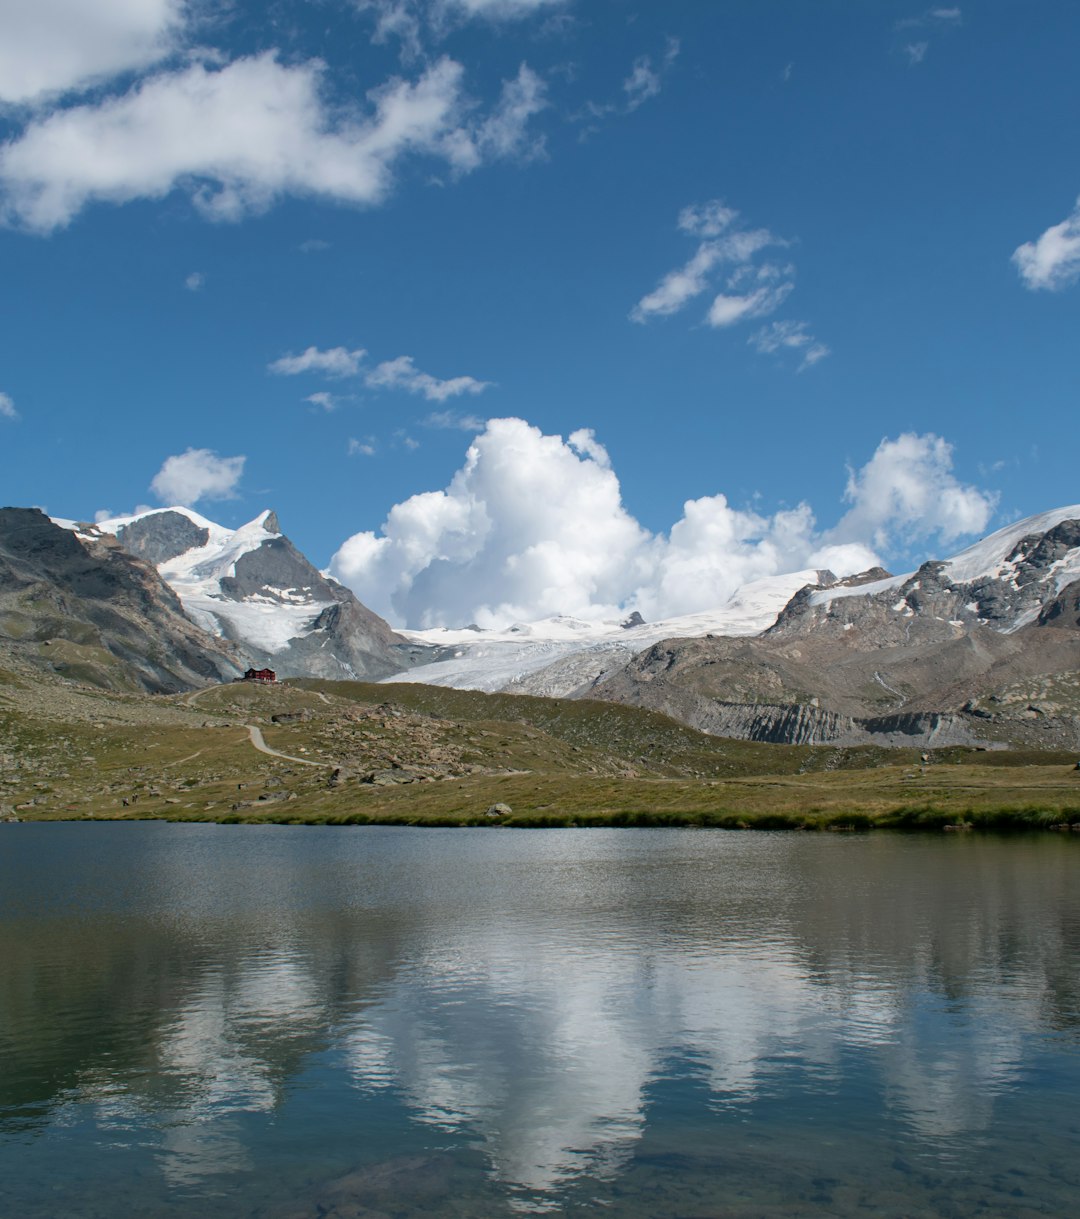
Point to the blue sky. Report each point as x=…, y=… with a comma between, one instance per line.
x=768, y=253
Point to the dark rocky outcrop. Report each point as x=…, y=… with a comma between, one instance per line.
x=161, y=536
x=87, y=609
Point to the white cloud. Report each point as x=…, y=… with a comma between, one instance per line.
x=402, y=373
x=644, y=80
x=721, y=244
x=1053, y=260
x=679, y=286
x=334, y=362
x=313, y=245
x=505, y=133
x=239, y=137
x=361, y=448
x=932, y=16
x=195, y=281
x=789, y=336
x=328, y=402
x=936, y=20
x=727, y=310
x=498, y=10
x=50, y=46
x=907, y=492
x=533, y=525
x=7, y=407
x=409, y=21
x=707, y=219
x=752, y=288
x=450, y=419
x=197, y=474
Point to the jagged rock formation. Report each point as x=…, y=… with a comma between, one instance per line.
x=83, y=607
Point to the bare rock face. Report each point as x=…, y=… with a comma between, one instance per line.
x=87, y=609
x=162, y=536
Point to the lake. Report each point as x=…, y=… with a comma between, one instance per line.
x=355, y=1023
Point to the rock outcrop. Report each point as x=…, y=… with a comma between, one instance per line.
x=82, y=606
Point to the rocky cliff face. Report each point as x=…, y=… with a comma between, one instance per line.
x=81, y=606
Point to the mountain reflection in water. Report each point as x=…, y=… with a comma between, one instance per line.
x=267, y=1020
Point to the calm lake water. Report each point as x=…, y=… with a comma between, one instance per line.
x=287, y=1022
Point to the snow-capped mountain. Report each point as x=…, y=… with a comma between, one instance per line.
x=984, y=646
x=252, y=586
x=1003, y=582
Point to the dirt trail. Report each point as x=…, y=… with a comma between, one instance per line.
x=257, y=740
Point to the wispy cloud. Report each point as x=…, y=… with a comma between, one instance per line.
x=313, y=245
x=1052, y=261
x=452, y=420
x=789, y=336
x=414, y=24
x=939, y=16
x=327, y=401
x=334, y=362
x=7, y=407
x=931, y=20
x=195, y=281
x=645, y=81
x=727, y=257
x=403, y=374
x=361, y=448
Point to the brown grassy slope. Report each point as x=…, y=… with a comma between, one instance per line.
x=75, y=752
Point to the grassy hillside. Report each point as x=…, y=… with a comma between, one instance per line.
x=412, y=754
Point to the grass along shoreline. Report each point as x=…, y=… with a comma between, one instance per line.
x=412, y=755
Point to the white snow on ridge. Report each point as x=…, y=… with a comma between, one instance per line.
x=824, y=595
x=987, y=558
x=495, y=660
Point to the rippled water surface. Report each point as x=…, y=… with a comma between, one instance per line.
x=288, y=1022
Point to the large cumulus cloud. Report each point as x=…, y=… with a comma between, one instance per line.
x=534, y=525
